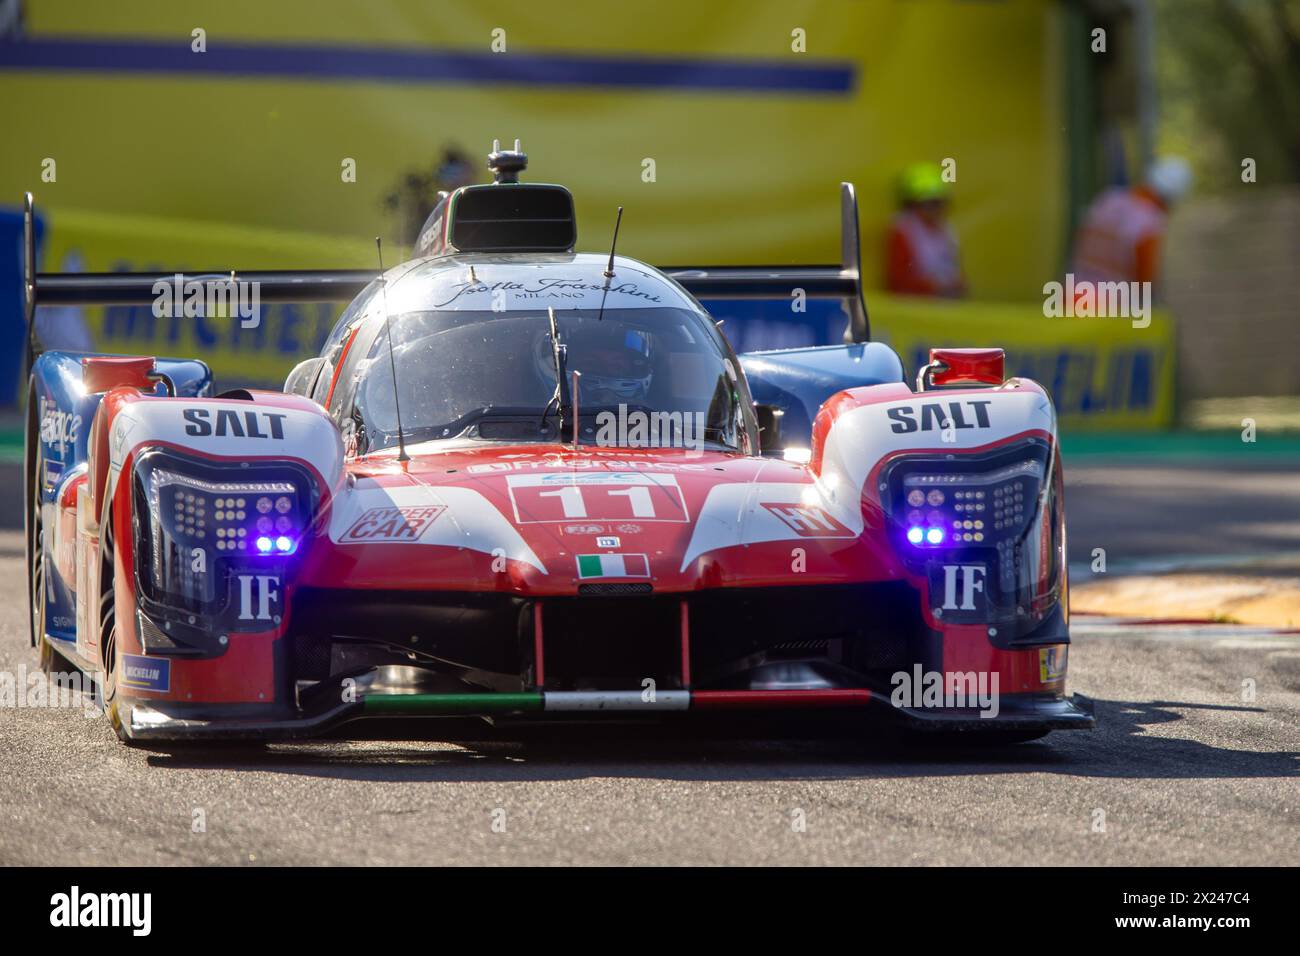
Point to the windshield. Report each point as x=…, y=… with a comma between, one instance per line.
x=649, y=377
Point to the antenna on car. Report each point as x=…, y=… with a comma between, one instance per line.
x=609, y=269
x=402, y=456
x=576, y=378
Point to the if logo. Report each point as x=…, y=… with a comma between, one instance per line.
x=961, y=582
x=258, y=596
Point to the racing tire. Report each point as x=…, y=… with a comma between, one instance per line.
x=33, y=527
x=52, y=660
x=108, y=636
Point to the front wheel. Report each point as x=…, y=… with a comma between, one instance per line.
x=108, y=636
x=35, y=528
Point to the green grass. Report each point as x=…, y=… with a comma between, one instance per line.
x=1181, y=444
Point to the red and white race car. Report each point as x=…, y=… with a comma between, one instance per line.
x=524, y=482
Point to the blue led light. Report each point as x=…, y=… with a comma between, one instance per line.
x=915, y=535
x=284, y=543
x=934, y=535
x=264, y=544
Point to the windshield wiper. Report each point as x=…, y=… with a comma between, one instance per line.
x=560, y=358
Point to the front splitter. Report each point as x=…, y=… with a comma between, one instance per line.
x=145, y=721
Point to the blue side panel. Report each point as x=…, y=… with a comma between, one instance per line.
x=64, y=413
x=798, y=381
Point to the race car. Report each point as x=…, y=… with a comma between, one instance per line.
x=524, y=483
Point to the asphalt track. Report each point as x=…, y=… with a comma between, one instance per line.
x=1184, y=770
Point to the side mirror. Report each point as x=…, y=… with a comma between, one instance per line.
x=99, y=373
x=302, y=380
x=769, y=428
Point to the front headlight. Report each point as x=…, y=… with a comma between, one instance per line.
x=986, y=530
x=196, y=522
x=947, y=509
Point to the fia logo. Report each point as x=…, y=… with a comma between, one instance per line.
x=259, y=595
x=962, y=582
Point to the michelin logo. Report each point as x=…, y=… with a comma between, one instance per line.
x=146, y=673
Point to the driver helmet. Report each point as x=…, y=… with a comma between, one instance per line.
x=615, y=361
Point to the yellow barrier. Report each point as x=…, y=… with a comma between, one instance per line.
x=1103, y=373
x=263, y=355
x=254, y=131
x=165, y=158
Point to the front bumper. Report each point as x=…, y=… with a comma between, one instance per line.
x=351, y=656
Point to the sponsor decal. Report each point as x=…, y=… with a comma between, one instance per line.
x=53, y=472
x=393, y=524
x=470, y=521
x=233, y=423
x=587, y=478
x=963, y=587
x=259, y=597
x=58, y=428
x=584, y=529
x=548, y=287
x=607, y=541
x=117, y=447
x=669, y=460
x=763, y=506
x=613, y=566
x=626, y=528
x=808, y=521
x=146, y=673
x=601, y=496
x=1051, y=663
x=939, y=416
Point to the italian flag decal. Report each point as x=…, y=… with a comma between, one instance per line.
x=613, y=566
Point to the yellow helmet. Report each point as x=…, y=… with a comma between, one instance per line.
x=923, y=182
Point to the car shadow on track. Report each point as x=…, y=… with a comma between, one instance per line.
x=414, y=751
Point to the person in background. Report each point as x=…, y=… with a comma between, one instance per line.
x=1121, y=235
x=922, y=254
x=417, y=194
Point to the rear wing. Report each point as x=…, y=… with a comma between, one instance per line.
x=842, y=281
